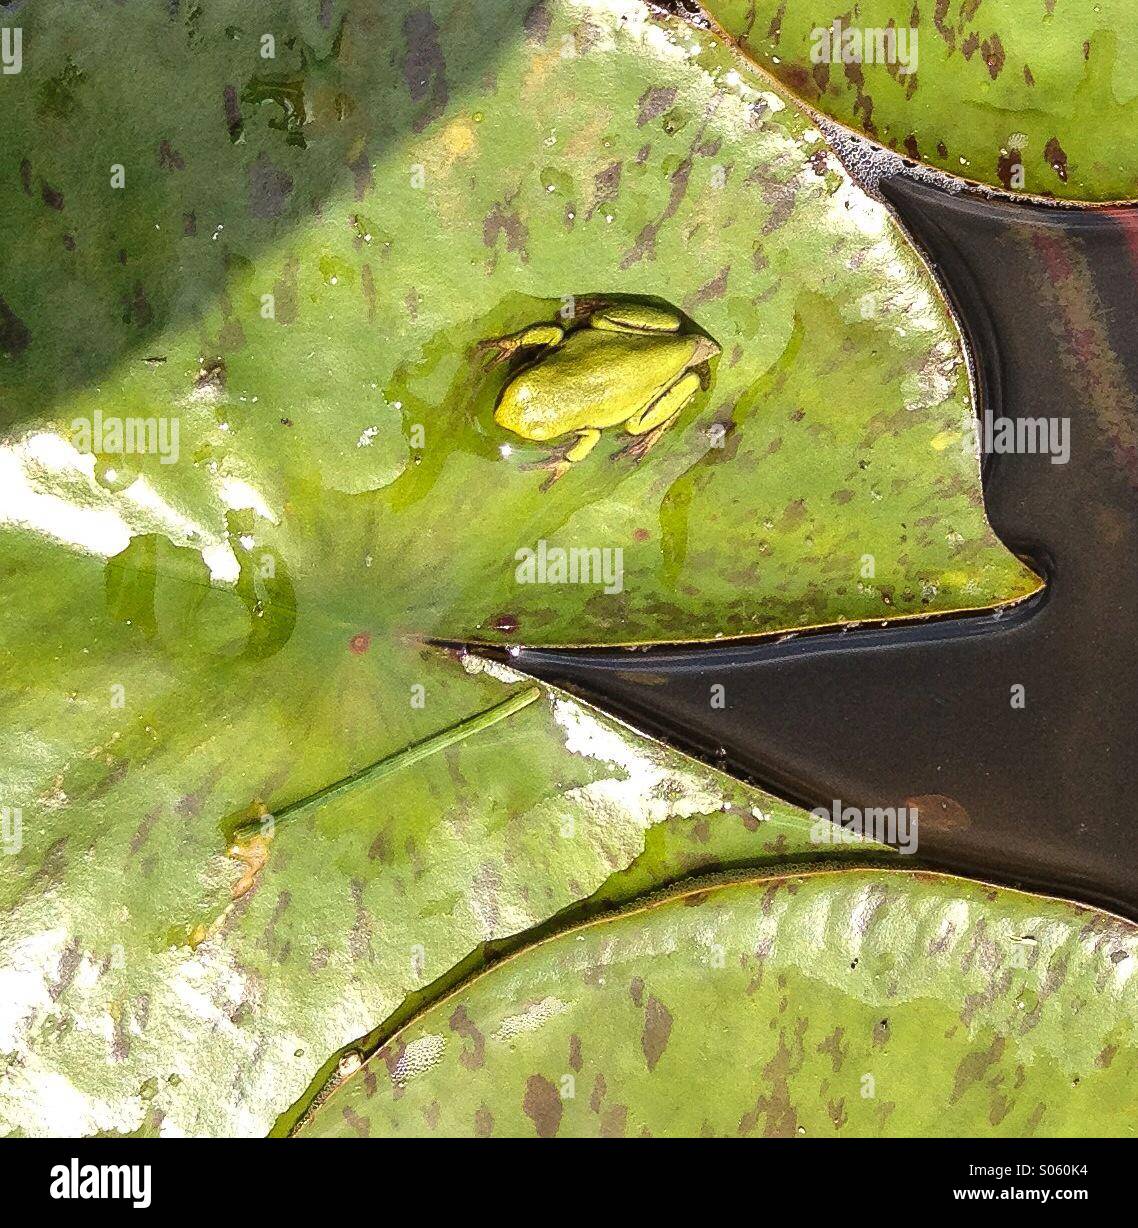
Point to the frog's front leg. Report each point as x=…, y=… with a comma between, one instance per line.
x=500, y=348
x=587, y=440
x=652, y=421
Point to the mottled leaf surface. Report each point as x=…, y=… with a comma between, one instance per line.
x=187, y=645
x=1035, y=96
x=856, y=1003
x=452, y=187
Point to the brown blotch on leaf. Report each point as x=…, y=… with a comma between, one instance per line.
x=832, y=1046
x=367, y=285
x=714, y=289
x=392, y=1056
x=169, y=159
x=797, y=78
x=994, y=56
x=362, y=174
x=14, y=334
x=211, y=374
x=233, y=121
x=657, y=1030
x=285, y=297
x=361, y=1125
x=52, y=197
x=1028, y=76
x=777, y=1107
x=974, y=1066
x=793, y=515
x=483, y=1122
x=654, y=102
x=507, y=624
x=542, y=1105
x=645, y=245
x=499, y=221
x=26, y=176
x=636, y=991
x=537, y=22
x=269, y=189
x=1006, y=166
x=68, y=967
x=945, y=31
x=474, y=1056
x=137, y=309
x=142, y=832
x=1056, y=158
x=424, y=68
x=575, y=1053
x=606, y=186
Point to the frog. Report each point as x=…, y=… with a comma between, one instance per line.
x=626, y=365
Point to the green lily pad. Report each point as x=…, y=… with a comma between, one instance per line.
x=1033, y=96
x=234, y=621
x=825, y=476
x=854, y=1003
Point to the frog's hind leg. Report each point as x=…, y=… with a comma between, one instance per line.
x=654, y=420
x=502, y=348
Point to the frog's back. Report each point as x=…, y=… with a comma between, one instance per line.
x=594, y=379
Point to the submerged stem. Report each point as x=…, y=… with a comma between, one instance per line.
x=396, y=762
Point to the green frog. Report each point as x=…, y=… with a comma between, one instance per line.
x=627, y=365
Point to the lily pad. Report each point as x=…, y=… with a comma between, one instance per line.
x=1033, y=96
x=855, y=1003
x=825, y=476
x=233, y=620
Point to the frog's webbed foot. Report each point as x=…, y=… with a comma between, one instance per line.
x=500, y=349
x=555, y=466
x=557, y=470
x=640, y=445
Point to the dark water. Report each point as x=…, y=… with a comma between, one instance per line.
x=1042, y=795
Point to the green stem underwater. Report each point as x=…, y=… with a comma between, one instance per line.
x=396, y=762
